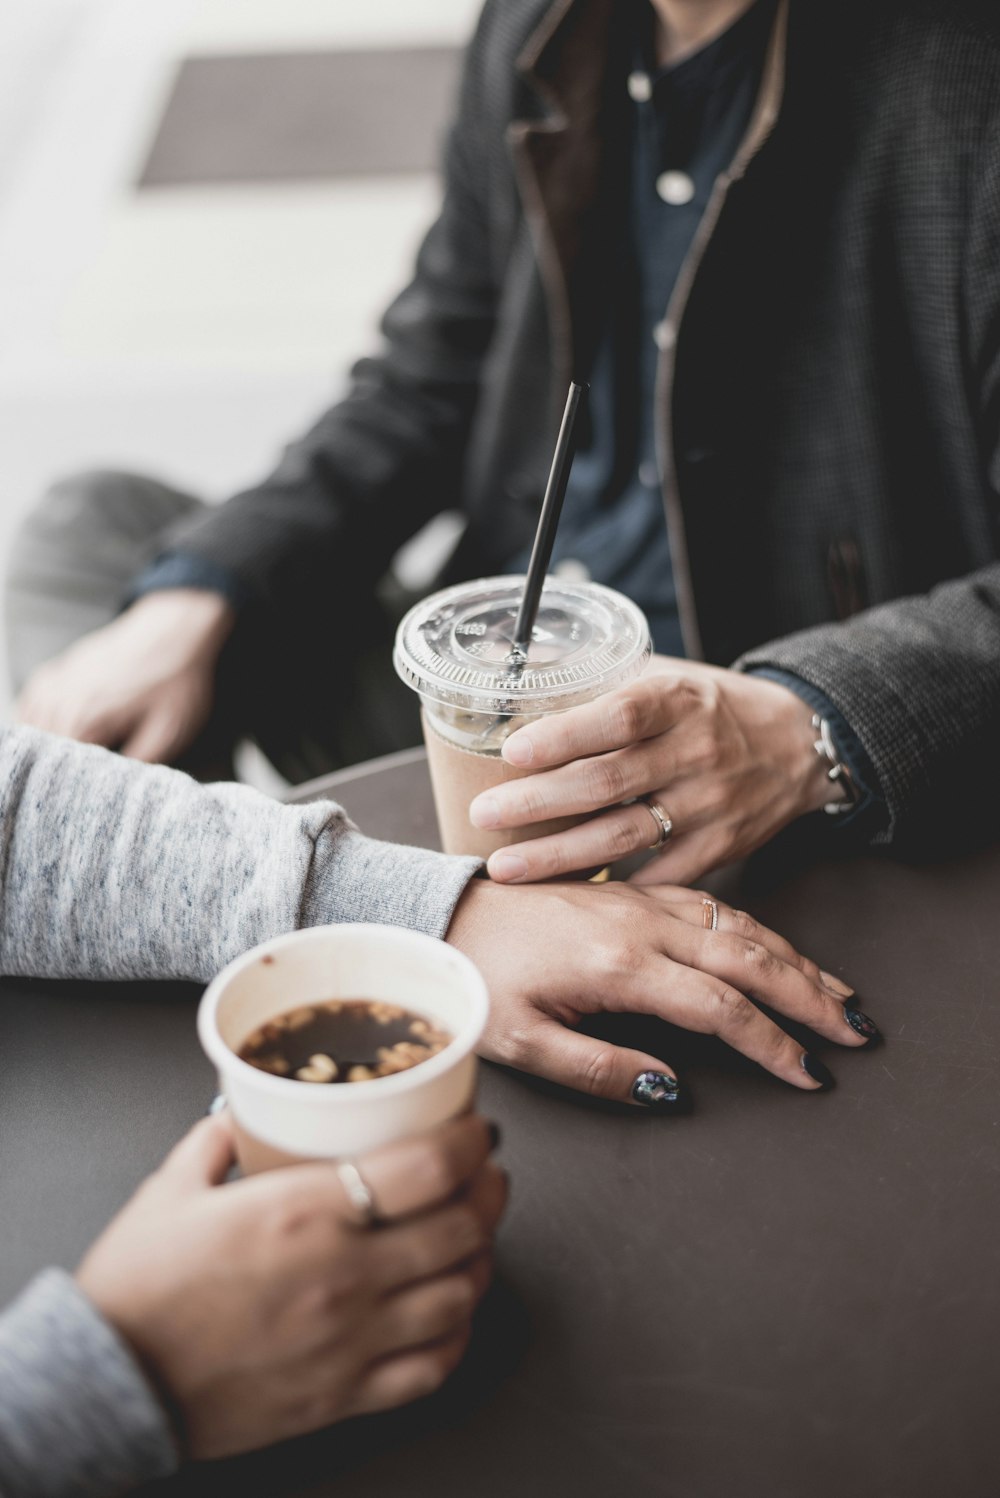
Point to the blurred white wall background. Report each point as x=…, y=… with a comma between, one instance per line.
x=164, y=330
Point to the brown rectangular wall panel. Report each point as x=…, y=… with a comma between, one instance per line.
x=303, y=116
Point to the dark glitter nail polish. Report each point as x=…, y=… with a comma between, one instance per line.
x=495, y=1135
x=815, y=1069
x=861, y=1024
x=655, y=1089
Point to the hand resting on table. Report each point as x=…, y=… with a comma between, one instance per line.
x=555, y=954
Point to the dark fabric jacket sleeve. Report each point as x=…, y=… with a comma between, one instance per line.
x=379, y=464
x=179, y=569
x=918, y=679
x=869, y=808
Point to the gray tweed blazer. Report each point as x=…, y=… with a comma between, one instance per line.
x=829, y=395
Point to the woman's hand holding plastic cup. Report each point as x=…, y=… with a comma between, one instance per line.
x=727, y=755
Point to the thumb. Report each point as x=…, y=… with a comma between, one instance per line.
x=601, y=1069
x=203, y=1157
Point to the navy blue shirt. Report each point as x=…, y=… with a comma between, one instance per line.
x=687, y=123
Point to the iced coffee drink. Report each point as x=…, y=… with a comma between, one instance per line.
x=455, y=650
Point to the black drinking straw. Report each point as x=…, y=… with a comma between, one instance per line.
x=548, y=520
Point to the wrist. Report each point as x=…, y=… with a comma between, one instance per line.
x=195, y=613
x=472, y=911
x=128, y=1321
x=807, y=772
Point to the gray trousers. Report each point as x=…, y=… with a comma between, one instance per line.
x=297, y=685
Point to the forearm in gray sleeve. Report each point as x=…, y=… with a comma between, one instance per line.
x=77, y=1417
x=113, y=869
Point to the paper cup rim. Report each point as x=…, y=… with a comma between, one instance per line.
x=225, y=1058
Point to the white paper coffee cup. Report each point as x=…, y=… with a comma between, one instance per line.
x=277, y=1119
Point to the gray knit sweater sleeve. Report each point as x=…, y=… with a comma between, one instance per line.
x=77, y=1417
x=111, y=869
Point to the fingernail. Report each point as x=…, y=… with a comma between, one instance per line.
x=507, y=867
x=657, y=1090
x=518, y=751
x=836, y=984
x=484, y=812
x=495, y=1135
x=815, y=1069
x=216, y=1105
x=861, y=1024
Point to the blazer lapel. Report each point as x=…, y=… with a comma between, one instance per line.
x=572, y=62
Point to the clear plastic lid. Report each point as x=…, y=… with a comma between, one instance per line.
x=454, y=648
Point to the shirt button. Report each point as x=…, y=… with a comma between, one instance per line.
x=639, y=87
x=648, y=474
x=664, y=335
x=675, y=188
x=572, y=571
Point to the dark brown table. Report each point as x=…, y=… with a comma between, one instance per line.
x=780, y=1296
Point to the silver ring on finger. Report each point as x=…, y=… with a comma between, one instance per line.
x=358, y=1193
x=710, y=915
x=663, y=820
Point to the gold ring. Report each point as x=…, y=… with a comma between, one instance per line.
x=664, y=824
x=358, y=1192
x=710, y=915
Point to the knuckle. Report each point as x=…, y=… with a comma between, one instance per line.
x=689, y=694
x=626, y=956
x=701, y=749
x=708, y=692
x=516, y=1046
x=734, y=1008
x=449, y=1354
x=598, y=1072
x=760, y=963
x=621, y=833
x=433, y=1172
x=604, y=781
x=611, y=960
x=716, y=798
x=289, y=1221
x=784, y=1050
x=324, y=1300
x=427, y=1375
x=460, y=1300
x=468, y=1233
x=531, y=802
x=496, y=1199
x=625, y=718
x=745, y=926
x=316, y=1410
